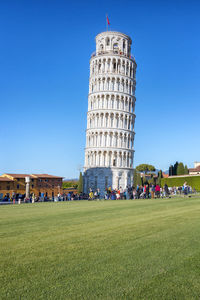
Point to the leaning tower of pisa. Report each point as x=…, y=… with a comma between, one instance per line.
x=110, y=119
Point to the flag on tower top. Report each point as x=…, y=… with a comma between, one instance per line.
x=108, y=20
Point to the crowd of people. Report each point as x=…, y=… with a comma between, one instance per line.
x=142, y=192
x=21, y=198
x=139, y=192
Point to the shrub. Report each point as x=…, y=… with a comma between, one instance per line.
x=70, y=184
x=193, y=181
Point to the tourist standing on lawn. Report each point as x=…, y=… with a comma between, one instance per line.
x=121, y=192
x=106, y=195
x=144, y=191
x=98, y=194
x=134, y=193
x=91, y=195
x=152, y=191
x=147, y=191
x=95, y=195
x=118, y=195
x=166, y=190
x=157, y=190
x=69, y=196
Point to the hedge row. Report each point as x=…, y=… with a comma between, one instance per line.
x=193, y=181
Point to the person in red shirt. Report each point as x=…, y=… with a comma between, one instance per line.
x=157, y=191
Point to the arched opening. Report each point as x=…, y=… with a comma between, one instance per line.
x=124, y=45
x=107, y=42
x=115, y=48
x=114, y=66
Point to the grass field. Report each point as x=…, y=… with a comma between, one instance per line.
x=134, y=249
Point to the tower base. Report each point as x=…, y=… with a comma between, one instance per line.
x=103, y=178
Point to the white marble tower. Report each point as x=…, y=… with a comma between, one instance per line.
x=110, y=119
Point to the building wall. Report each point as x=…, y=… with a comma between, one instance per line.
x=47, y=186
x=194, y=173
x=103, y=178
x=196, y=164
x=6, y=187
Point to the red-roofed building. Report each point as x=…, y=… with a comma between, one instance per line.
x=6, y=186
x=164, y=175
x=40, y=184
x=195, y=170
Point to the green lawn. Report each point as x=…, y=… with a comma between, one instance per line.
x=134, y=249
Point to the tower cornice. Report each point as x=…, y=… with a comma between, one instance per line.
x=113, y=33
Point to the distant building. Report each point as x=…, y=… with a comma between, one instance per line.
x=195, y=170
x=6, y=186
x=40, y=184
x=164, y=175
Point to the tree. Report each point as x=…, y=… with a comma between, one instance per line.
x=134, y=178
x=145, y=180
x=180, y=169
x=80, y=183
x=170, y=170
x=70, y=184
x=145, y=168
x=186, y=170
x=152, y=180
x=159, y=177
x=139, y=180
x=175, y=167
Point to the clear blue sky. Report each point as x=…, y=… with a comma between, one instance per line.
x=44, y=69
